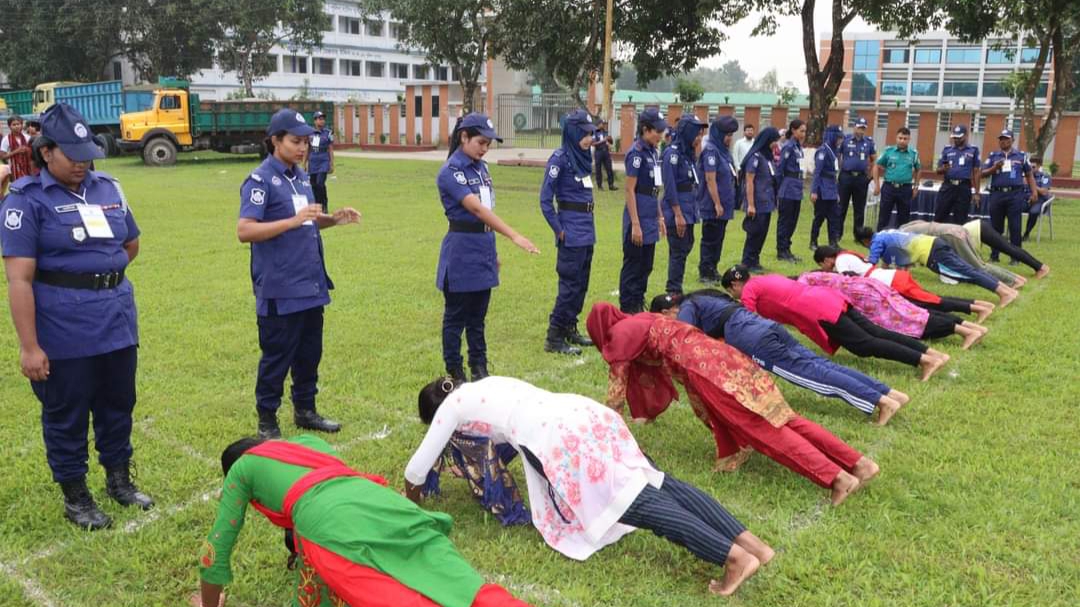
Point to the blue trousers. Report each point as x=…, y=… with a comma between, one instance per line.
x=852, y=189
x=464, y=311
x=894, y=197
x=783, y=355
x=756, y=228
x=573, y=265
x=634, y=277
x=1007, y=205
x=602, y=160
x=827, y=211
x=291, y=344
x=678, y=252
x=787, y=219
x=712, y=244
x=953, y=203
x=687, y=516
x=318, y=186
x=944, y=260
x=102, y=386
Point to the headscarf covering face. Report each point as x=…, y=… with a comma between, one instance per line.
x=720, y=128
x=762, y=142
x=833, y=137
x=575, y=126
x=686, y=131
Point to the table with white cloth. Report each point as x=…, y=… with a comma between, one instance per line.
x=922, y=208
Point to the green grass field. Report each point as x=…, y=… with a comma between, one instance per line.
x=978, y=503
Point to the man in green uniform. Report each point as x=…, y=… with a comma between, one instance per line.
x=901, y=166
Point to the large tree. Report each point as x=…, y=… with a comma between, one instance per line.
x=252, y=27
x=172, y=37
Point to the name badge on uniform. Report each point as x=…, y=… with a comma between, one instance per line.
x=657, y=176
x=97, y=226
x=836, y=165
x=1007, y=167
x=586, y=182
x=862, y=155
x=299, y=203
x=315, y=141
x=961, y=161
x=485, y=197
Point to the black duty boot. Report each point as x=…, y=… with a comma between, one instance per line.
x=308, y=419
x=80, y=507
x=457, y=374
x=577, y=339
x=556, y=342
x=478, y=371
x=119, y=487
x=268, y=426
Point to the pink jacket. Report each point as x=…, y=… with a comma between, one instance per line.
x=792, y=303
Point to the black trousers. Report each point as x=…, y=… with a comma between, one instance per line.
x=602, y=162
x=947, y=304
x=101, y=386
x=712, y=244
x=1007, y=206
x=756, y=228
x=940, y=324
x=894, y=197
x=827, y=211
x=678, y=252
x=863, y=338
x=573, y=266
x=318, y=186
x=634, y=277
x=464, y=312
x=953, y=203
x=993, y=239
x=787, y=220
x=291, y=344
x=853, y=191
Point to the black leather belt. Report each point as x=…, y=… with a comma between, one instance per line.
x=855, y=173
x=73, y=280
x=684, y=187
x=793, y=174
x=1004, y=188
x=958, y=181
x=580, y=207
x=897, y=184
x=469, y=227
x=647, y=191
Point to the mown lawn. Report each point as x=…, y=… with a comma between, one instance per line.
x=978, y=503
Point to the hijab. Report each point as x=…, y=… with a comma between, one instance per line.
x=720, y=128
x=686, y=131
x=761, y=143
x=833, y=138
x=580, y=160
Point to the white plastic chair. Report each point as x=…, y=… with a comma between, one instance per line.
x=1049, y=217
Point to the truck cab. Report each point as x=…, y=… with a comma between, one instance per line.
x=164, y=128
x=44, y=95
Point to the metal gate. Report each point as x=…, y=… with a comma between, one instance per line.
x=532, y=121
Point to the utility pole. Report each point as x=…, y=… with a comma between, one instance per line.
x=607, y=61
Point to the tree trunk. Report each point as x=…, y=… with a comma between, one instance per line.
x=1027, y=95
x=246, y=75
x=824, y=81
x=1064, y=81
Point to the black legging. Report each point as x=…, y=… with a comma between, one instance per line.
x=863, y=338
x=947, y=304
x=993, y=239
x=940, y=324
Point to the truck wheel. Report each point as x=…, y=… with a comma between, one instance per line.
x=159, y=152
x=111, y=147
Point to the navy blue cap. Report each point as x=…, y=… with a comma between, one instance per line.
x=1006, y=133
x=67, y=127
x=653, y=119
x=959, y=130
x=481, y=123
x=582, y=120
x=861, y=122
x=290, y=121
x=726, y=124
x=691, y=119
x=317, y=115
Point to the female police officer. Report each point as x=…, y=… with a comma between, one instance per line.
x=281, y=220
x=716, y=194
x=790, y=191
x=642, y=220
x=468, y=264
x=68, y=236
x=680, y=204
x=758, y=176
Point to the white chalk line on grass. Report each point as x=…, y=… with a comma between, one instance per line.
x=31, y=589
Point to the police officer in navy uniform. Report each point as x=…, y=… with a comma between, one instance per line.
x=642, y=220
x=468, y=264
x=959, y=165
x=281, y=220
x=1009, y=173
x=758, y=177
x=791, y=190
x=68, y=237
x=601, y=145
x=857, y=155
x=1043, y=183
x=319, y=161
x=716, y=194
x=679, y=166
x=566, y=200
x=824, y=190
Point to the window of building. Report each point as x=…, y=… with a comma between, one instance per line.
x=893, y=87
x=399, y=71
x=375, y=27
x=866, y=54
x=961, y=89
x=944, y=121
x=434, y=106
x=928, y=55
x=320, y=65
x=418, y=105
x=853, y=117
x=398, y=31
x=117, y=70
x=352, y=67
x=375, y=69
x=994, y=89
x=348, y=25
x=912, y=120
x=895, y=55
x=294, y=65
x=963, y=55
x=864, y=86
x=442, y=73
x=421, y=72
x=1031, y=55
x=1000, y=56
x=882, y=120
x=924, y=88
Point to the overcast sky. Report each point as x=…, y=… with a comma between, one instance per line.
x=758, y=55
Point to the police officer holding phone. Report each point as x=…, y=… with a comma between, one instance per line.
x=959, y=165
x=1009, y=173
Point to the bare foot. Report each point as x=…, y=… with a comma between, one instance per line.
x=865, y=469
x=971, y=337
x=899, y=397
x=844, y=485
x=1008, y=297
x=984, y=314
x=1043, y=271
x=752, y=544
x=931, y=365
x=1020, y=282
x=887, y=408
x=739, y=567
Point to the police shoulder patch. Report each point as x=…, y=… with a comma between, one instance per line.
x=712, y=160
x=256, y=177
x=13, y=219
x=459, y=177
x=674, y=159
x=553, y=171
x=637, y=162
x=257, y=197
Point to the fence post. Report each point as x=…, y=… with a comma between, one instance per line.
x=410, y=116
x=804, y=114
x=779, y=117
x=702, y=112
x=425, y=118
x=444, y=113
x=752, y=116
x=674, y=112
x=364, y=110
x=379, y=130
x=1065, y=145
x=627, y=126
x=927, y=139
x=347, y=114
x=395, y=123
x=725, y=110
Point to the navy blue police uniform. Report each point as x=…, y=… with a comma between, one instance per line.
x=468, y=264
x=291, y=286
x=827, y=188
x=1043, y=181
x=759, y=167
x=789, y=196
x=856, y=155
x=321, y=141
x=642, y=163
x=81, y=240
x=566, y=200
x=602, y=157
x=681, y=181
x=954, y=198
x=715, y=159
x=1008, y=193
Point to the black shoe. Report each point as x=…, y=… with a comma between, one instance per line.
x=308, y=419
x=613, y=188
x=813, y=246
x=80, y=507
x=556, y=342
x=575, y=338
x=119, y=487
x=457, y=374
x=1026, y=238
x=834, y=244
x=268, y=426
x=757, y=268
x=478, y=371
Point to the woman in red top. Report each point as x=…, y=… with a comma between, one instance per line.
x=734, y=397
x=828, y=319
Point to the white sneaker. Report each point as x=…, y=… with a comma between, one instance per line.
x=949, y=281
